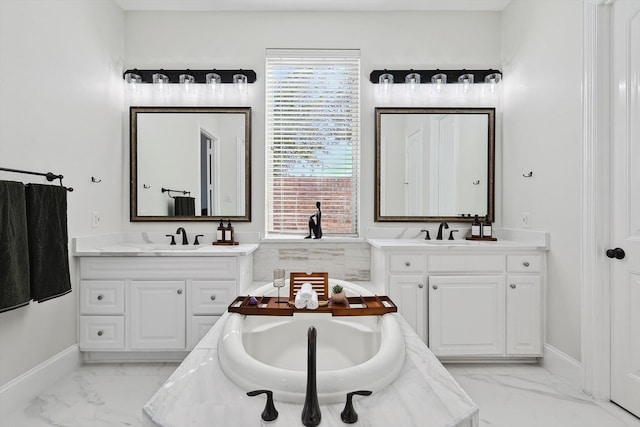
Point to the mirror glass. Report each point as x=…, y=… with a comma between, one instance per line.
x=190, y=163
x=434, y=164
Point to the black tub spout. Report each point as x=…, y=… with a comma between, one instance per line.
x=311, y=410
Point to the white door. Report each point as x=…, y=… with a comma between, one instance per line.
x=625, y=215
x=413, y=179
x=157, y=314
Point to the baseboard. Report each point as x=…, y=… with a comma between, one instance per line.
x=561, y=365
x=19, y=391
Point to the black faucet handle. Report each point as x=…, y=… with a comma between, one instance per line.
x=348, y=414
x=173, y=238
x=195, y=242
x=427, y=237
x=451, y=234
x=270, y=413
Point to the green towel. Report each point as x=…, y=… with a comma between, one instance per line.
x=48, y=241
x=14, y=252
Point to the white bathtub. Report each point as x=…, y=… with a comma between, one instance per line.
x=270, y=352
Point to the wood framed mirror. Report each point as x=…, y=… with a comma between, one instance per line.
x=190, y=163
x=434, y=164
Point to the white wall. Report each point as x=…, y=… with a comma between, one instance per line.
x=542, y=64
x=60, y=111
x=239, y=39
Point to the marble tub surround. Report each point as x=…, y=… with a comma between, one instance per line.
x=347, y=261
x=424, y=394
x=158, y=244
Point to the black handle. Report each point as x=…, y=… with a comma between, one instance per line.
x=427, y=237
x=348, y=414
x=617, y=253
x=451, y=234
x=270, y=413
x=173, y=238
x=196, y=241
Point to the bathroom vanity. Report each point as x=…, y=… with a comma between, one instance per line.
x=468, y=299
x=148, y=298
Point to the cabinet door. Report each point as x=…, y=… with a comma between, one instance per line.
x=157, y=314
x=467, y=315
x=409, y=294
x=524, y=315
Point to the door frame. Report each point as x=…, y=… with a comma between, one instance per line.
x=595, y=375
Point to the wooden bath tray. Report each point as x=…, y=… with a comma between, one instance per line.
x=373, y=305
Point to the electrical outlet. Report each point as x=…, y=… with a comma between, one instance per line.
x=95, y=219
x=526, y=220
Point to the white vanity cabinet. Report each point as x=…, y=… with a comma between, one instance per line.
x=467, y=302
x=132, y=303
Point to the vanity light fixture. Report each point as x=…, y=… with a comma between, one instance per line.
x=187, y=81
x=213, y=81
x=133, y=81
x=438, y=78
x=412, y=80
x=160, y=81
x=466, y=80
x=493, y=80
x=240, y=83
x=385, y=80
x=438, y=83
x=211, y=76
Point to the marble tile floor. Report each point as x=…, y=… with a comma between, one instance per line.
x=513, y=395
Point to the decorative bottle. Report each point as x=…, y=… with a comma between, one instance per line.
x=486, y=228
x=476, y=231
x=228, y=232
x=220, y=235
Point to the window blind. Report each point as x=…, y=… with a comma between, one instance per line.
x=313, y=140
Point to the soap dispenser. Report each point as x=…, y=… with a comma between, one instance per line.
x=228, y=236
x=486, y=228
x=476, y=232
x=220, y=235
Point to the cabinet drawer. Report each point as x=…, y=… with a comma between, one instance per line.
x=407, y=262
x=209, y=297
x=524, y=263
x=200, y=325
x=102, y=297
x=467, y=263
x=101, y=332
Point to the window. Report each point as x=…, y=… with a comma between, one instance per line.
x=313, y=140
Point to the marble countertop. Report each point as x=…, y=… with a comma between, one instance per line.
x=199, y=393
x=413, y=238
x=155, y=244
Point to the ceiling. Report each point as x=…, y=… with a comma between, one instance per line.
x=311, y=5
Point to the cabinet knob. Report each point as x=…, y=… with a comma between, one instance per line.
x=99, y=297
x=526, y=263
x=213, y=297
x=435, y=286
x=513, y=286
x=100, y=333
x=420, y=285
x=179, y=291
x=407, y=263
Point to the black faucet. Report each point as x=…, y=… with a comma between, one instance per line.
x=442, y=224
x=427, y=237
x=348, y=414
x=184, y=235
x=311, y=410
